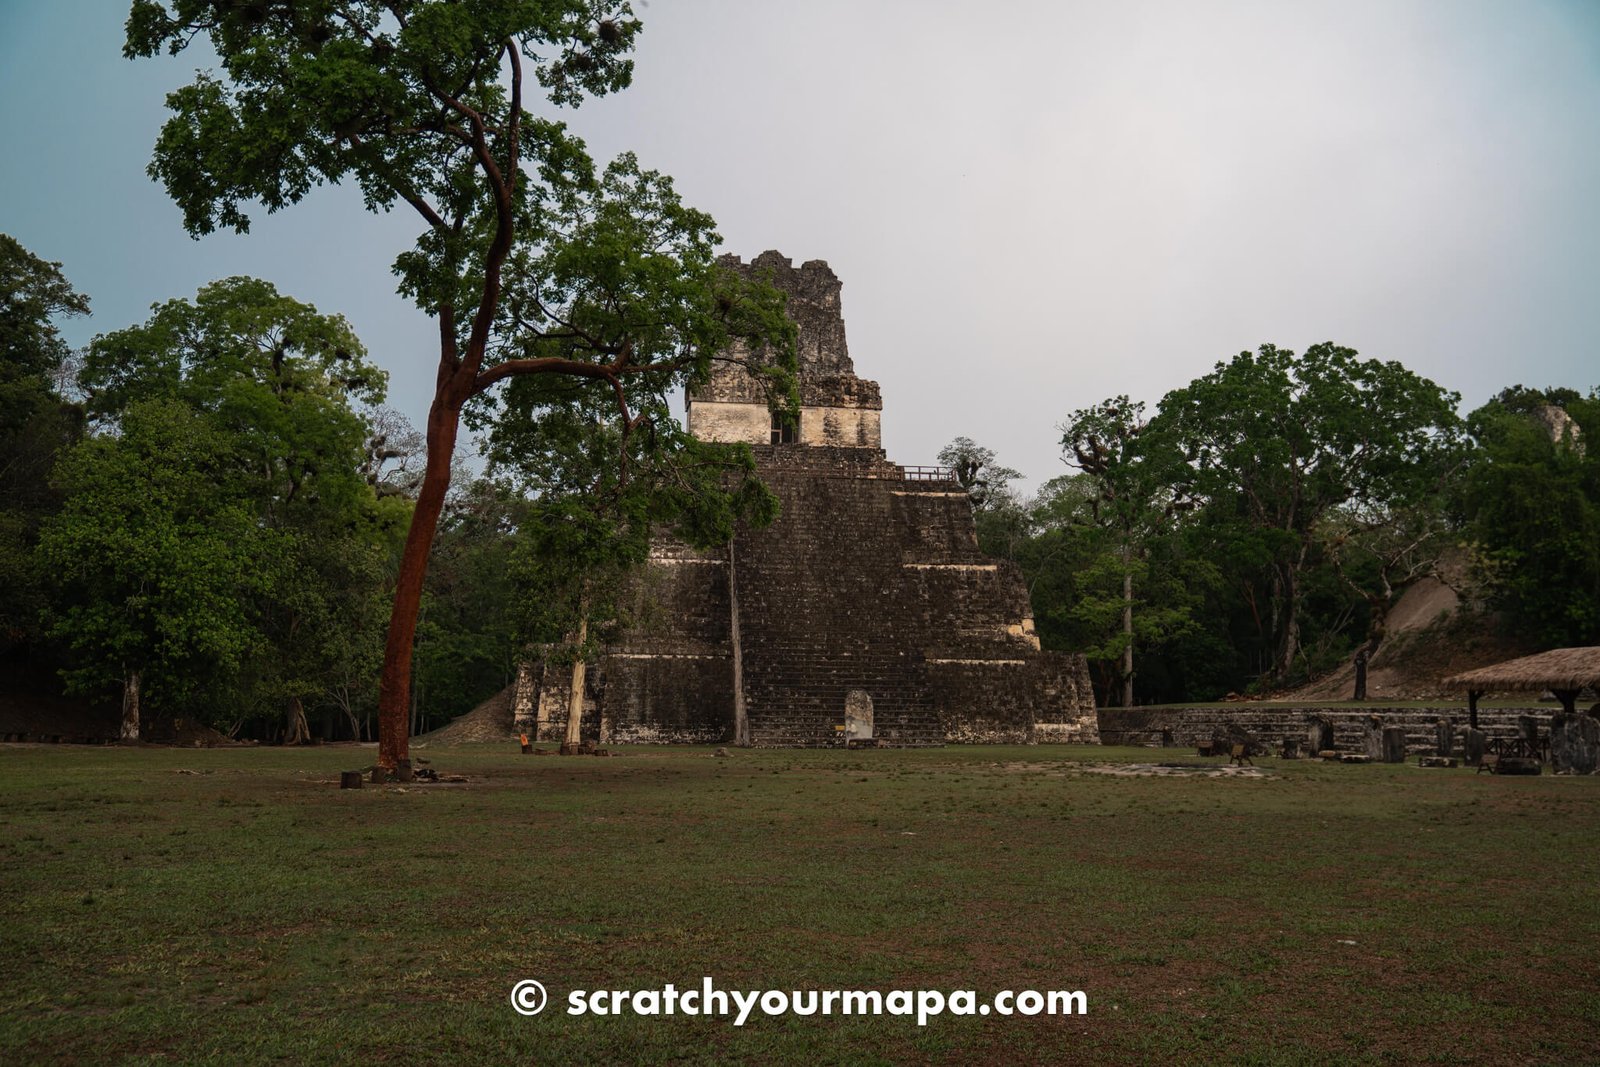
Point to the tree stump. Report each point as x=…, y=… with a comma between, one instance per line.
x=402, y=770
x=349, y=779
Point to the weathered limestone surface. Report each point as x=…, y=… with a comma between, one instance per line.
x=1372, y=739
x=1574, y=743
x=837, y=408
x=866, y=607
x=751, y=424
x=735, y=423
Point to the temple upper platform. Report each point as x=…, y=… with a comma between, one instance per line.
x=837, y=408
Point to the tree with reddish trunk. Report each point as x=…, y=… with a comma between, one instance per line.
x=530, y=262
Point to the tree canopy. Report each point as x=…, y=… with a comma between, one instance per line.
x=1530, y=501
x=225, y=530
x=529, y=261
x=36, y=424
x=1273, y=443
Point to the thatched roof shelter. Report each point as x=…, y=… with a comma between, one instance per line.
x=1563, y=671
x=1560, y=668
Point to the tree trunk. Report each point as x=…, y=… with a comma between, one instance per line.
x=580, y=671
x=394, y=687
x=296, y=732
x=1127, y=628
x=1289, y=649
x=130, y=707
x=741, y=714
x=416, y=712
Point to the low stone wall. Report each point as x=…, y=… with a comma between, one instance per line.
x=1351, y=727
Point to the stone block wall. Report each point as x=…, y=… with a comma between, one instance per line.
x=751, y=424
x=840, y=426
x=824, y=607
x=867, y=587
x=1352, y=727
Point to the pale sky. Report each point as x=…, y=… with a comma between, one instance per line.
x=1032, y=206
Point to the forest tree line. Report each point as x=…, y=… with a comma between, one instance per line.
x=1255, y=529
x=204, y=513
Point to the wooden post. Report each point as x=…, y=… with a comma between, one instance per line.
x=1472, y=708
x=349, y=779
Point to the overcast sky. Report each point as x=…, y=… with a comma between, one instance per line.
x=1032, y=206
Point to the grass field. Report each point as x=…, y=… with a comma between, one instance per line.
x=234, y=906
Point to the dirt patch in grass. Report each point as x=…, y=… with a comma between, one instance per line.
x=1061, y=769
x=1173, y=770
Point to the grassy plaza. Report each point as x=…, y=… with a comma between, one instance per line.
x=233, y=905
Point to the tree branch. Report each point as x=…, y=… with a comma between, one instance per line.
x=539, y=365
x=410, y=196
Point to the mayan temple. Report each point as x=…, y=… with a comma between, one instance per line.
x=864, y=615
